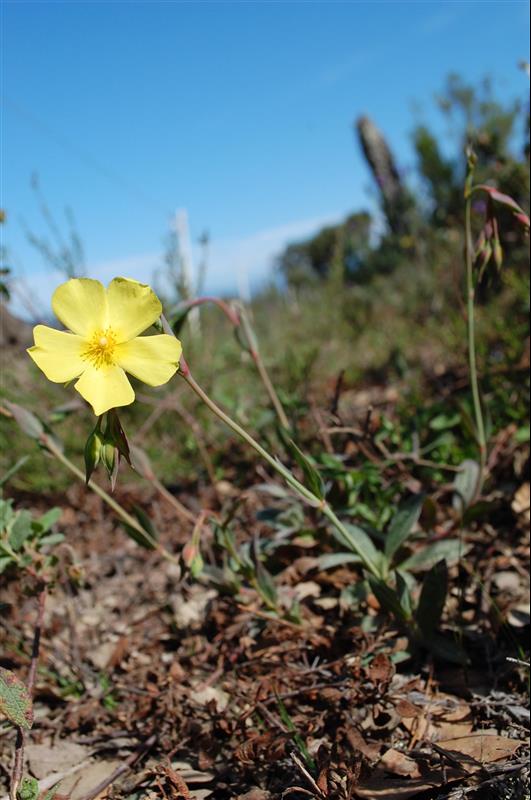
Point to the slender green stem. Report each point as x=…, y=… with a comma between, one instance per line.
x=290, y=479
x=261, y=368
x=239, y=319
x=50, y=445
x=476, y=395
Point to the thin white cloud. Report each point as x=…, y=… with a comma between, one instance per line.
x=439, y=21
x=235, y=266
x=354, y=62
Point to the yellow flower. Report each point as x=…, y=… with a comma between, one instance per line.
x=105, y=342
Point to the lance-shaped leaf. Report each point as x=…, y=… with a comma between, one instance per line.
x=388, y=598
x=357, y=540
x=466, y=484
x=432, y=598
x=312, y=478
x=147, y=540
x=402, y=524
x=452, y=550
x=28, y=422
x=404, y=595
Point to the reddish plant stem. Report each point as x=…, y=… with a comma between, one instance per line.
x=227, y=310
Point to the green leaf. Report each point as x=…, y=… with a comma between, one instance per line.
x=49, y=519
x=481, y=510
x=299, y=741
x=148, y=526
x=361, y=544
x=6, y=513
x=388, y=598
x=432, y=598
x=331, y=560
x=267, y=586
x=21, y=529
x=15, y=700
x=50, y=539
x=5, y=561
x=402, y=524
x=451, y=550
x=12, y=470
x=312, y=478
x=404, y=595
x=444, y=421
x=466, y=484
x=28, y=422
x=53, y=792
x=523, y=434
x=28, y=789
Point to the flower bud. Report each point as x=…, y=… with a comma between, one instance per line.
x=192, y=558
x=108, y=456
x=93, y=449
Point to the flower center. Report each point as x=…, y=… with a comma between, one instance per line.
x=100, y=348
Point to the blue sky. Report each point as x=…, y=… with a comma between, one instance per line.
x=241, y=113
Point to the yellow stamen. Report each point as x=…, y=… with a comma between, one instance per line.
x=100, y=349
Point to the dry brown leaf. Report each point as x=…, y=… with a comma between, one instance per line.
x=190, y=774
x=399, y=763
x=484, y=747
x=45, y=758
x=407, y=709
x=370, y=750
x=445, y=717
x=382, y=786
x=522, y=500
x=381, y=669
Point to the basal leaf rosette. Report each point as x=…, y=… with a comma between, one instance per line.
x=103, y=341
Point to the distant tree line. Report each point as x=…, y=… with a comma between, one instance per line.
x=419, y=211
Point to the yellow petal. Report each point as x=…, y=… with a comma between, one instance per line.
x=105, y=388
x=133, y=307
x=152, y=359
x=81, y=305
x=57, y=353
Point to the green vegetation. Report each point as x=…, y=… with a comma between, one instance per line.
x=381, y=400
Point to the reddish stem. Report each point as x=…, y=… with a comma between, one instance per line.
x=227, y=310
